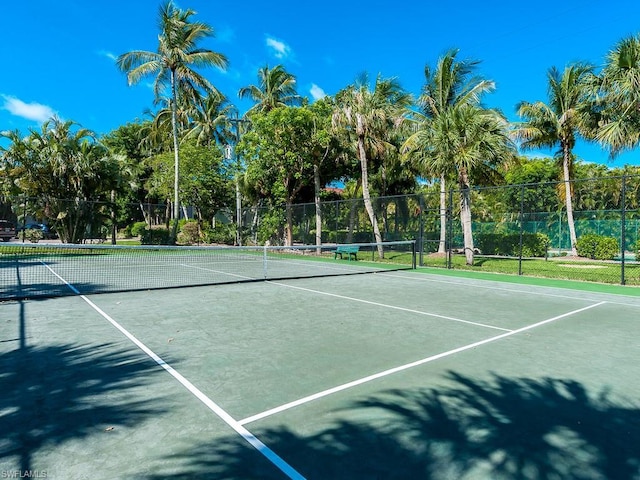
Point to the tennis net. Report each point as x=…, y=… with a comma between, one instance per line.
x=52, y=270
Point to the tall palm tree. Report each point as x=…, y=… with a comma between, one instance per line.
x=482, y=143
x=559, y=123
x=618, y=103
x=451, y=85
x=177, y=51
x=367, y=113
x=276, y=88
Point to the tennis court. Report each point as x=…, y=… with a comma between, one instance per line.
x=393, y=374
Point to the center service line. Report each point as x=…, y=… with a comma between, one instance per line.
x=393, y=307
x=214, y=407
x=407, y=366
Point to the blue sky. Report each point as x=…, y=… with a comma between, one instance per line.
x=59, y=57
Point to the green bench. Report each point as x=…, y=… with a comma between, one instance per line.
x=347, y=250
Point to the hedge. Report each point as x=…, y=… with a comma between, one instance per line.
x=533, y=244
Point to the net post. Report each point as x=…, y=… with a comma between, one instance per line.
x=264, y=262
x=413, y=255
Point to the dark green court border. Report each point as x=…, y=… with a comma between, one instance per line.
x=633, y=291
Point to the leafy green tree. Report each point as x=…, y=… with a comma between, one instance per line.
x=129, y=141
x=449, y=86
x=276, y=88
x=178, y=51
x=558, y=124
x=365, y=113
x=206, y=183
x=325, y=151
x=66, y=170
x=279, y=151
x=540, y=175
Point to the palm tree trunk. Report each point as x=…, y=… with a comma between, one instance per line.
x=383, y=203
x=176, y=155
x=316, y=199
x=566, y=158
x=238, y=213
x=465, y=216
x=365, y=187
x=113, y=217
x=443, y=216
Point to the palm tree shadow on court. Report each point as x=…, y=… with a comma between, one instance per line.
x=56, y=393
x=503, y=428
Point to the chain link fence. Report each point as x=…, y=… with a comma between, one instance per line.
x=517, y=229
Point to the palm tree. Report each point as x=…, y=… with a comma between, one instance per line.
x=559, y=123
x=618, y=106
x=177, y=51
x=209, y=123
x=481, y=142
x=367, y=114
x=276, y=88
x=451, y=85
x=66, y=168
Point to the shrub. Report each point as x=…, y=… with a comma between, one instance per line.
x=586, y=245
x=138, y=228
x=638, y=249
x=189, y=233
x=533, y=244
x=34, y=235
x=156, y=236
x=223, y=234
x=607, y=249
x=271, y=228
x=597, y=247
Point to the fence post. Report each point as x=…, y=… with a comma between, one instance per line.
x=449, y=214
x=337, y=217
x=521, y=229
x=421, y=230
x=623, y=233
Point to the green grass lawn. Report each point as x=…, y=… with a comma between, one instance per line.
x=556, y=268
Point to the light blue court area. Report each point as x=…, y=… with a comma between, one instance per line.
x=389, y=375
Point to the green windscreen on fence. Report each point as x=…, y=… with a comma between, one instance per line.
x=37, y=270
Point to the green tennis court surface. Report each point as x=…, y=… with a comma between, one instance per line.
x=392, y=375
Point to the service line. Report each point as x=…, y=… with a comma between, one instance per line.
x=393, y=307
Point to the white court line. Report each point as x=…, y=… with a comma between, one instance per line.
x=214, y=407
x=421, y=277
x=218, y=271
x=393, y=307
x=407, y=366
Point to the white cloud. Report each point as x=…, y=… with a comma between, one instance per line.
x=30, y=111
x=280, y=49
x=316, y=92
x=109, y=55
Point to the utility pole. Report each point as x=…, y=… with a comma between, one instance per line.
x=236, y=122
